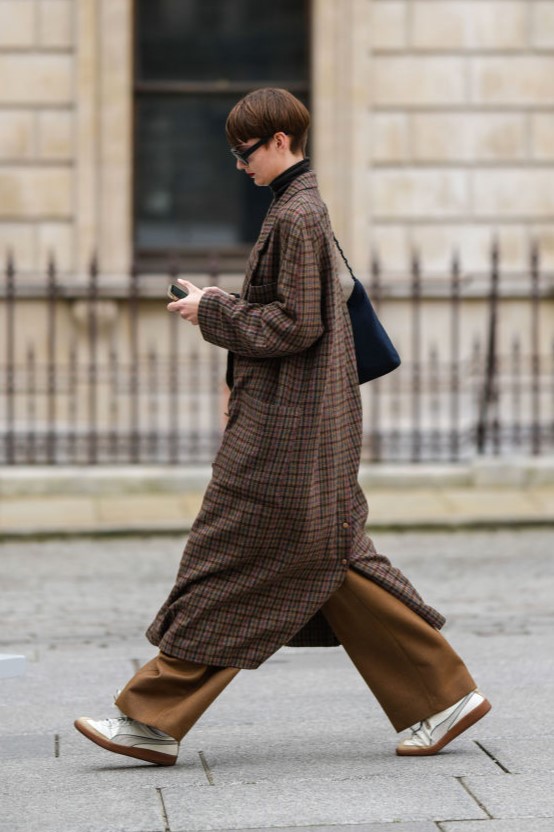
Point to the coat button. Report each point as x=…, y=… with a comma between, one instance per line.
x=344, y=562
x=345, y=525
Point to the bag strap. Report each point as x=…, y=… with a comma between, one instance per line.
x=342, y=254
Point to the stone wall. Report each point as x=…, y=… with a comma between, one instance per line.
x=65, y=133
x=462, y=128
x=37, y=121
x=433, y=127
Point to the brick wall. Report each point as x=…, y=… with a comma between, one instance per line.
x=462, y=137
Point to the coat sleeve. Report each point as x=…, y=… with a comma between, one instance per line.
x=287, y=325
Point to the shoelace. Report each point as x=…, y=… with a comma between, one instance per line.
x=420, y=726
x=421, y=733
x=118, y=721
x=123, y=721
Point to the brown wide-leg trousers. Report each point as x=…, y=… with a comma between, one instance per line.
x=408, y=665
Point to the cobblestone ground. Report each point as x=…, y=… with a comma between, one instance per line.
x=299, y=742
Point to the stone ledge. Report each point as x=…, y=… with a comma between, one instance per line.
x=38, y=480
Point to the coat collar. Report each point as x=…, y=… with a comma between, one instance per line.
x=306, y=181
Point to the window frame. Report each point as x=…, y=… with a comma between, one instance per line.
x=184, y=258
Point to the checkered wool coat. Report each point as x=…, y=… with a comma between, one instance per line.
x=283, y=517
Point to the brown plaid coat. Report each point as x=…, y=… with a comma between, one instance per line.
x=283, y=517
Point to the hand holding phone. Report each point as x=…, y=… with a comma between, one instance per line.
x=193, y=295
x=188, y=311
x=175, y=292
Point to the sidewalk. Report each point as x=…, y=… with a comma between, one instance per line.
x=53, y=501
x=298, y=744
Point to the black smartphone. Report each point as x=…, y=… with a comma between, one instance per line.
x=176, y=292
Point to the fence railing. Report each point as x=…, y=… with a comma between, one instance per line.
x=93, y=381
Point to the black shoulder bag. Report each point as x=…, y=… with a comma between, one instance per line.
x=376, y=355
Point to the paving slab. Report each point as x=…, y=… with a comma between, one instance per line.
x=302, y=751
x=27, y=746
x=94, y=809
x=515, y=796
x=522, y=755
x=374, y=799
x=55, y=692
x=96, y=767
x=358, y=827
x=512, y=825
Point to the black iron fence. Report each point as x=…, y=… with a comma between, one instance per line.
x=483, y=384
x=97, y=377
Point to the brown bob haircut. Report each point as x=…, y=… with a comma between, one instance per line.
x=266, y=112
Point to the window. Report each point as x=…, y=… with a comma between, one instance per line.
x=193, y=60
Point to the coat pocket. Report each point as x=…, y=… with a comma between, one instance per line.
x=262, y=293
x=260, y=453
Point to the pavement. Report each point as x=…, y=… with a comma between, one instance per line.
x=300, y=743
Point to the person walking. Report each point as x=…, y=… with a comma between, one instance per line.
x=278, y=554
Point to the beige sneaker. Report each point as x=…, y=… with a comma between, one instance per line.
x=124, y=735
x=429, y=736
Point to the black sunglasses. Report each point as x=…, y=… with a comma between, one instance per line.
x=244, y=155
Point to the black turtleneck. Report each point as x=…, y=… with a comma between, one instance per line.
x=281, y=182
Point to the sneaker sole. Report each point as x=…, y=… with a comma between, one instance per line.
x=470, y=719
x=147, y=756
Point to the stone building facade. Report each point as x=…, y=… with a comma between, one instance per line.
x=463, y=127
x=433, y=130
x=433, y=127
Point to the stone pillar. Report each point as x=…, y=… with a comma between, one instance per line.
x=341, y=119
x=87, y=197
x=104, y=133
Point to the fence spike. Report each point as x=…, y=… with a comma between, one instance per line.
x=376, y=263
x=214, y=269
x=495, y=253
x=535, y=255
x=415, y=260
x=173, y=265
x=10, y=263
x=455, y=262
